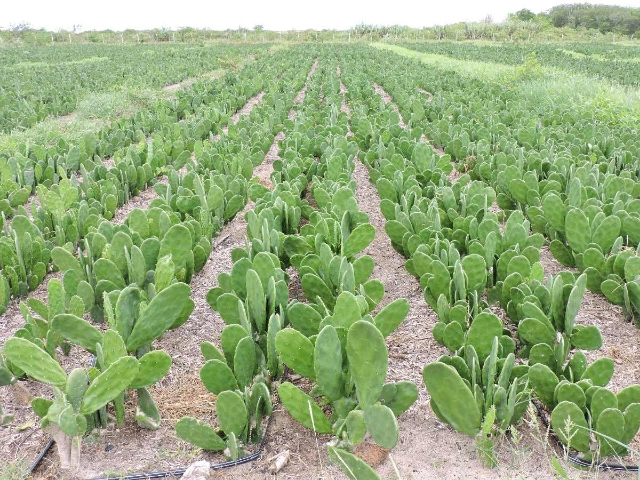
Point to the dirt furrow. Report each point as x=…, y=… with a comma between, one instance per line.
x=412, y=345
x=303, y=92
x=231, y=236
x=140, y=201
x=429, y=94
x=244, y=111
x=186, y=83
x=344, y=107
x=388, y=99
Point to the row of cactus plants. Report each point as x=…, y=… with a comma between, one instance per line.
x=573, y=176
x=149, y=146
x=333, y=340
x=134, y=276
x=459, y=253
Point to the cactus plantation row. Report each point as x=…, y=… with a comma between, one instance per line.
x=474, y=181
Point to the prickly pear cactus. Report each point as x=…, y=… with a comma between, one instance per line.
x=199, y=434
x=35, y=362
x=368, y=360
x=451, y=399
x=302, y=407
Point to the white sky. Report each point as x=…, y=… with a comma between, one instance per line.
x=273, y=15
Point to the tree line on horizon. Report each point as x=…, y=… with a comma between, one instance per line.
x=603, y=18
x=576, y=21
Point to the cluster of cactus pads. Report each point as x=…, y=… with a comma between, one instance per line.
x=332, y=338
x=467, y=263
x=482, y=371
x=133, y=278
x=124, y=362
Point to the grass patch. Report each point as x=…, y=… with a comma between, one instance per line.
x=57, y=64
x=93, y=111
x=545, y=87
x=486, y=70
x=13, y=470
x=599, y=58
x=100, y=106
x=585, y=97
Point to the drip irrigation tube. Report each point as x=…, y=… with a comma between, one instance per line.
x=180, y=471
x=217, y=466
x=616, y=467
x=38, y=459
x=170, y=473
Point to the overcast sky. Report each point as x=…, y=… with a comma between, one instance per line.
x=273, y=15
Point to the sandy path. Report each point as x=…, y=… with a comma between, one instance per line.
x=429, y=94
x=388, y=99
x=244, y=111
x=187, y=82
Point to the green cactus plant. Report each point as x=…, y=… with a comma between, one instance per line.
x=354, y=467
x=168, y=309
x=451, y=399
x=34, y=361
x=477, y=398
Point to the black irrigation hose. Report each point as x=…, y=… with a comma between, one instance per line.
x=38, y=459
x=217, y=466
x=180, y=471
x=577, y=460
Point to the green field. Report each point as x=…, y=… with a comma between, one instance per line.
x=409, y=256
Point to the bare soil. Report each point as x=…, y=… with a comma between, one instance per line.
x=388, y=99
x=68, y=118
x=303, y=92
x=244, y=111
x=428, y=94
x=141, y=201
x=213, y=75
x=344, y=107
x=172, y=87
x=109, y=163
